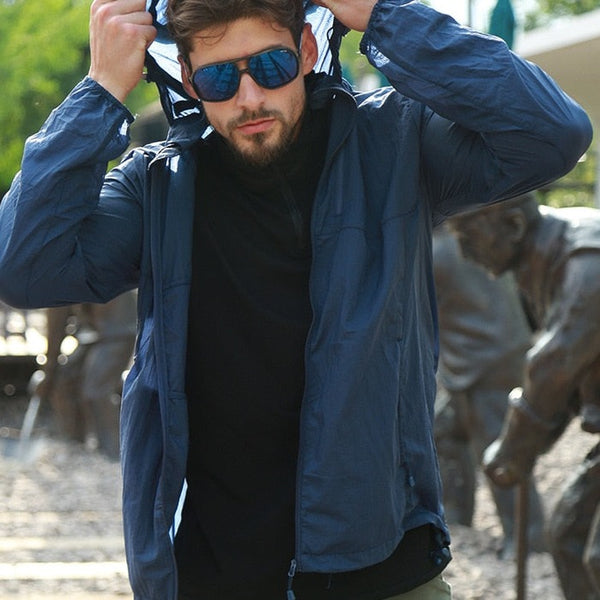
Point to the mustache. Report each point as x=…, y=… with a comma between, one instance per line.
x=253, y=115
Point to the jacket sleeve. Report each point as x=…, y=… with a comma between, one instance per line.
x=495, y=124
x=69, y=233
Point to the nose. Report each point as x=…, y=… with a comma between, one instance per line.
x=249, y=95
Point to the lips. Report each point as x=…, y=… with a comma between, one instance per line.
x=256, y=126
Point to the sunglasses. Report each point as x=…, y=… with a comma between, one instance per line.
x=271, y=69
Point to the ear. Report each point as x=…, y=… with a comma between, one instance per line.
x=515, y=223
x=309, y=51
x=185, y=77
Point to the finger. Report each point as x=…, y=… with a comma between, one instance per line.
x=111, y=8
x=122, y=5
x=141, y=18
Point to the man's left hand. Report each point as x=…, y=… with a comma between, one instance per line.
x=354, y=14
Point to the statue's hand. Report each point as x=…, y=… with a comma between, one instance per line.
x=499, y=469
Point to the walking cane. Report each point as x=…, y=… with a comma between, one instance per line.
x=522, y=524
x=30, y=415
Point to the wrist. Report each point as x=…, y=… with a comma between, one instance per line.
x=115, y=89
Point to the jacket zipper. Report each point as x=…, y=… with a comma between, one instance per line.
x=289, y=594
x=326, y=166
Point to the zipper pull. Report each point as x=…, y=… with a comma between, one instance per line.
x=290, y=582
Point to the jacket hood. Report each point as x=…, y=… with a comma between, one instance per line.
x=163, y=68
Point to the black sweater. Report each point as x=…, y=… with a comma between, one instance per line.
x=249, y=316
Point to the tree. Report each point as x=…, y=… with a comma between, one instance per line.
x=547, y=10
x=576, y=188
x=355, y=66
x=43, y=53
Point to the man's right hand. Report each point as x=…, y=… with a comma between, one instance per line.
x=120, y=33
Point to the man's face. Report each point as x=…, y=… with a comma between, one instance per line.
x=484, y=238
x=258, y=123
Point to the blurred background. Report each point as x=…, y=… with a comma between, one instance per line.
x=60, y=492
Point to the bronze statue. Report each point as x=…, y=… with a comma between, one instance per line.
x=484, y=335
x=83, y=388
x=555, y=256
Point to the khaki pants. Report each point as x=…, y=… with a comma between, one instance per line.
x=436, y=589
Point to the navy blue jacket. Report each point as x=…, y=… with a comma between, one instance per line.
x=466, y=122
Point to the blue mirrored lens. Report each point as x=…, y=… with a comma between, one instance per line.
x=274, y=68
x=270, y=69
x=216, y=82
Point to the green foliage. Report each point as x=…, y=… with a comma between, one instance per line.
x=568, y=7
x=576, y=188
x=355, y=65
x=547, y=10
x=43, y=54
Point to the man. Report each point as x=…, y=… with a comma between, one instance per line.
x=484, y=335
x=555, y=255
x=296, y=234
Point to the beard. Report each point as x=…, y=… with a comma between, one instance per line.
x=264, y=148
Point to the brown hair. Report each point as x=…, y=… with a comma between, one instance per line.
x=186, y=18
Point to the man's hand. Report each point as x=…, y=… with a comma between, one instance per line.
x=120, y=33
x=354, y=14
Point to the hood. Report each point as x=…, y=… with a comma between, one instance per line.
x=163, y=68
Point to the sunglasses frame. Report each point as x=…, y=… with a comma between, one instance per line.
x=240, y=72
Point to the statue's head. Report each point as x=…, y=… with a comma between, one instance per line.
x=494, y=236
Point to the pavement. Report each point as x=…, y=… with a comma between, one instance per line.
x=60, y=522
